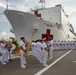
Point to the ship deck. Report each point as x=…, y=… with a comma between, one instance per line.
x=63, y=63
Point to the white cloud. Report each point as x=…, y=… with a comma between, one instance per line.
x=69, y=3
x=73, y=21
x=5, y=35
x=2, y=5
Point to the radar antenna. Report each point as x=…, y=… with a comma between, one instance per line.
x=42, y=3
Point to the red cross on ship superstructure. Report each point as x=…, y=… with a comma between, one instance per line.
x=47, y=35
x=37, y=14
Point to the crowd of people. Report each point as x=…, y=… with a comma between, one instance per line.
x=42, y=49
x=64, y=45
x=39, y=50
x=6, y=49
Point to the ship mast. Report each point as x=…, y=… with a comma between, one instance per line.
x=7, y=5
x=42, y=3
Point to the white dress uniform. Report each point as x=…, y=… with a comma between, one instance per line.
x=59, y=46
x=3, y=53
x=54, y=45
x=45, y=54
x=6, y=55
x=0, y=48
x=39, y=52
x=63, y=45
x=12, y=49
x=23, y=60
x=68, y=44
x=33, y=48
x=71, y=45
x=74, y=44
x=50, y=44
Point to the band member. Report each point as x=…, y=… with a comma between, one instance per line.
x=13, y=47
x=59, y=45
x=50, y=45
x=3, y=52
x=68, y=45
x=7, y=52
x=39, y=50
x=73, y=44
x=54, y=45
x=23, y=51
x=33, y=47
x=45, y=52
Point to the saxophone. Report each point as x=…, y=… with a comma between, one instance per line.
x=27, y=45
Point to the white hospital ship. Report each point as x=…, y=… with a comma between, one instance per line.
x=41, y=23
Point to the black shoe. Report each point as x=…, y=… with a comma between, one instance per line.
x=10, y=59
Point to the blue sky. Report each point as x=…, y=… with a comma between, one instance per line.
x=24, y=5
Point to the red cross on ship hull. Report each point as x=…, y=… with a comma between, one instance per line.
x=47, y=35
